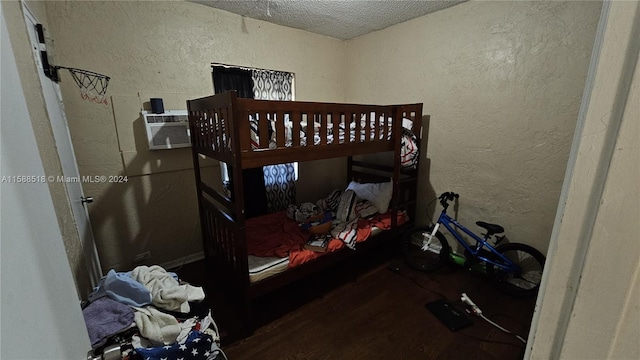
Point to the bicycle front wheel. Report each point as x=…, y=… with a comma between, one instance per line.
x=435, y=255
x=524, y=282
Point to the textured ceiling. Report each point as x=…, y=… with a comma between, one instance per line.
x=341, y=19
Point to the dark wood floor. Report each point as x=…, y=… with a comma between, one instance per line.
x=364, y=310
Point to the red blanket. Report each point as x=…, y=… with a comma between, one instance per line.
x=277, y=235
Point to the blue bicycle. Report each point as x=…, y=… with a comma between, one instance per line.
x=515, y=268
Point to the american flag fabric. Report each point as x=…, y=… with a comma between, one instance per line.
x=197, y=346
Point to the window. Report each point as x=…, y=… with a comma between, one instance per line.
x=278, y=180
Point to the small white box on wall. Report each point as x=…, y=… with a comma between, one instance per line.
x=169, y=130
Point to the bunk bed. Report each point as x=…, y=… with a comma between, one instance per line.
x=248, y=133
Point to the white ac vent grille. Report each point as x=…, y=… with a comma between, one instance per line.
x=169, y=130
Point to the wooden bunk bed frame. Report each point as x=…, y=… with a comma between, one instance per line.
x=220, y=130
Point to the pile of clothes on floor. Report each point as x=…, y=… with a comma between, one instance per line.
x=148, y=313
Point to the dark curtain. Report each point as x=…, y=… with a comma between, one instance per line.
x=255, y=194
x=226, y=79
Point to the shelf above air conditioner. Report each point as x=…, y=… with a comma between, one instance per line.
x=169, y=130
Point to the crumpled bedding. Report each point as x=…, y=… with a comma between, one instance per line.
x=275, y=235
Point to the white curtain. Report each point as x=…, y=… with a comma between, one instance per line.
x=279, y=179
x=271, y=85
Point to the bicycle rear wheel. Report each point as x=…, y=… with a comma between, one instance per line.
x=525, y=282
x=435, y=256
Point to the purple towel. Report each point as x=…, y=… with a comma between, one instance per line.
x=105, y=317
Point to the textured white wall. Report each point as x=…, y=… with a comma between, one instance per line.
x=589, y=306
x=603, y=323
x=502, y=82
x=166, y=48
x=40, y=311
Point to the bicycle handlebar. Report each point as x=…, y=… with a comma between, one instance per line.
x=446, y=197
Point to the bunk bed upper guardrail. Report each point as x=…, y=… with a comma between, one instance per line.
x=231, y=129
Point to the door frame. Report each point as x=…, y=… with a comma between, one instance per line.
x=61, y=137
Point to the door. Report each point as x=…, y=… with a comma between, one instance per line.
x=53, y=100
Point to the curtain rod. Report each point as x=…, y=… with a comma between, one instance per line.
x=234, y=66
x=246, y=68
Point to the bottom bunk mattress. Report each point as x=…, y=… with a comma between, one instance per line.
x=261, y=268
x=275, y=242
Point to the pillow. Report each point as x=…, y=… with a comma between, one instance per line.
x=378, y=194
x=407, y=124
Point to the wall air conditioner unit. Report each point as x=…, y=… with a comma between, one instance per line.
x=169, y=130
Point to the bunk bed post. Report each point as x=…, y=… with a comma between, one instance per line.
x=397, y=140
x=215, y=127
x=196, y=169
x=239, y=126
x=418, y=130
x=418, y=127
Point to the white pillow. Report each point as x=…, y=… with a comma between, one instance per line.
x=407, y=124
x=378, y=194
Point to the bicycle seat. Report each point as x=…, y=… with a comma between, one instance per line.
x=491, y=228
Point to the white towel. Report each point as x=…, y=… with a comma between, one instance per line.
x=156, y=326
x=166, y=291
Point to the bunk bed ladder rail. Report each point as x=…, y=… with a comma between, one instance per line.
x=409, y=182
x=221, y=218
x=406, y=193
x=405, y=180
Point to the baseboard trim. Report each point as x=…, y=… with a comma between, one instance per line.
x=183, y=260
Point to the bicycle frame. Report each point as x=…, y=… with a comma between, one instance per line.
x=447, y=221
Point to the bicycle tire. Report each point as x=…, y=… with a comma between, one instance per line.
x=425, y=260
x=526, y=283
